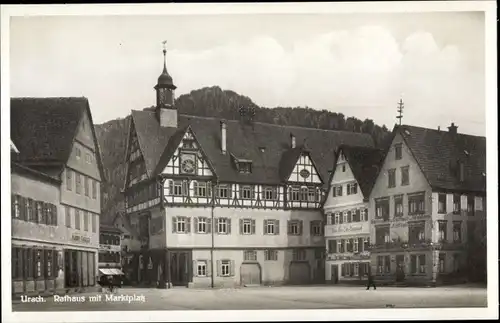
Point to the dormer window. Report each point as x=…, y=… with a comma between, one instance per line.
x=245, y=167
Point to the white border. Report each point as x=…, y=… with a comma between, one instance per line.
x=259, y=8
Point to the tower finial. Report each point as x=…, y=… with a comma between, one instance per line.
x=400, y=110
x=164, y=55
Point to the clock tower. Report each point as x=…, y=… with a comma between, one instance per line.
x=165, y=92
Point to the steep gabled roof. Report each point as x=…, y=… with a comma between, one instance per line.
x=43, y=129
x=244, y=142
x=365, y=165
x=437, y=153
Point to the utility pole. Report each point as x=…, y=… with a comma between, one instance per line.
x=400, y=110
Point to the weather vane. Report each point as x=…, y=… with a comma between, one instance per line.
x=400, y=110
x=164, y=45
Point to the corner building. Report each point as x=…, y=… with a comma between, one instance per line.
x=226, y=202
x=429, y=206
x=56, y=174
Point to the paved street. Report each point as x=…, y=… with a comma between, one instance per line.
x=310, y=297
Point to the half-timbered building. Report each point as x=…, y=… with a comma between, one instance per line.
x=56, y=174
x=429, y=206
x=347, y=227
x=226, y=202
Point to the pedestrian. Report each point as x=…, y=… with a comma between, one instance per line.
x=371, y=281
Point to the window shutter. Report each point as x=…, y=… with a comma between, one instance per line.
x=289, y=227
x=349, y=216
x=22, y=208
x=188, y=225
x=253, y=226
x=231, y=267
x=209, y=225
x=252, y=188
x=184, y=188
x=13, y=205
x=209, y=190
x=228, y=226
x=195, y=230
x=195, y=269
x=311, y=225
x=264, y=230
x=352, y=269
x=277, y=227
x=241, y=226
x=219, y=268
x=229, y=191
x=266, y=254
x=334, y=245
x=360, y=245
x=341, y=218
x=195, y=188
x=174, y=222
x=54, y=214
x=342, y=270
x=209, y=268
x=301, y=227
x=171, y=187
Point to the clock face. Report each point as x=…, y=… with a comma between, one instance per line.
x=304, y=173
x=188, y=164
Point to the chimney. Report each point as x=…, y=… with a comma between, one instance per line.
x=223, y=127
x=439, y=128
x=292, y=138
x=167, y=117
x=452, y=129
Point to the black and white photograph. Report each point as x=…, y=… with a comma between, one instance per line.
x=249, y=161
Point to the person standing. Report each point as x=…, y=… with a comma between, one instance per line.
x=371, y=280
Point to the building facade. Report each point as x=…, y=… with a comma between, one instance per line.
x=347, y=229
x=429, y=207
x=55, y=224
x=226, y=203
x=110, y=250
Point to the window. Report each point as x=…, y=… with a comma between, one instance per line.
x=312, y=195
x=177, y=188
x=86, y=185
x=299, y=254
x=405, y=175
x=271, y=255
x=69, y=179
x=366, y=243
x=442, y=263
x=471, y=231
x=457, y=231
x=416, y=203
x=470, y=205
x=363, y=214
x=387, y=264
x=421, y=264
x=67, y=211
x=271, y=227
x=78, y=153
x=392, y=178
x=245, y=167
x=200, y=189
x=398, y=149
x=49, y=257
x=337, y=218
x=380, y=264
x=38, y=263
x=456, y=203
x=224, y=226
x=247, y=226
x=225, y=268
x=77, y=219
x=28, y=206
x=352, y=189
x=88, y=158
x=16, y=209
x=356, y=245
x=398, y=205
x=85, y=221
x=442, y=231
x=94, y=190
x=340, y=246
x=344, y=217
x=270, y=193
x=201, y=225
x=181, y=224
x=250, y=255
x=201, y=268
x=382, y=208
x=442, y=203
x=223, y=191
x=294, y=227
x=94, y=222
x=416, y=232
x=246, y=192
x=456, y=262
x=343, y=168
x=339, y=190
x=316, y=228
x=382, y=235
x=78, y=188
x=39, y=212
x=295, y=194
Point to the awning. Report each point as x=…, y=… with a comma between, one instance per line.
x=106, y=271
x=116, y=271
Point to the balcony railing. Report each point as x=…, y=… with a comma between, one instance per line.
x=426, y=244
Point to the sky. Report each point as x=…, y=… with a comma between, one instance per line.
x=356, y=64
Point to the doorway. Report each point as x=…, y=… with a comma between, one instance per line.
x=335, y=274
x=180, y=267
